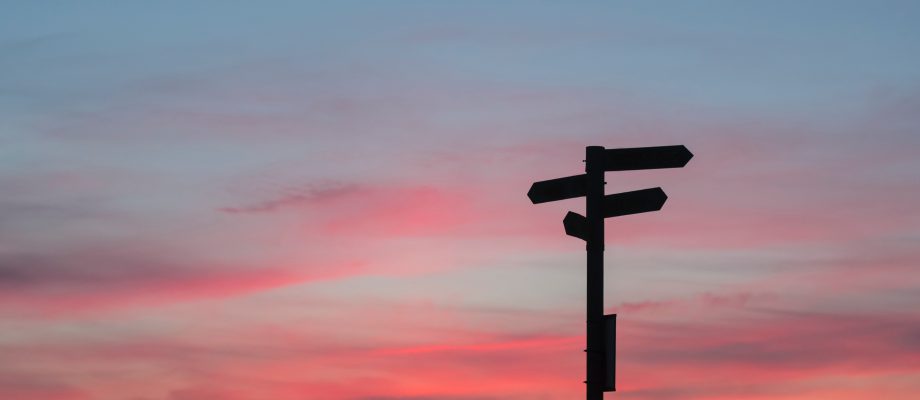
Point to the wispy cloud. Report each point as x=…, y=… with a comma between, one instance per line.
x=305, y=196
x=70, y=283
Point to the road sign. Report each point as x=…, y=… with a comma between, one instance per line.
x=646, y=158
x=635, y=202
x=575, y=225
x=558, y=189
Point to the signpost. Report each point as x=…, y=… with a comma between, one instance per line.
x=600, y=351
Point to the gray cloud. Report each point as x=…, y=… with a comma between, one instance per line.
x=306, y=195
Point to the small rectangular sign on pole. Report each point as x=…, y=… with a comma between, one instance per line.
x=610, y=334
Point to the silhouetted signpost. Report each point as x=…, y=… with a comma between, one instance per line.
x=600, y=351
x=558, y=189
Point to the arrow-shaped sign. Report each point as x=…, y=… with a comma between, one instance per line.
x=635, y=202
x=558, y=189
x=646, y=158
x=615, y=205
x=614, y=160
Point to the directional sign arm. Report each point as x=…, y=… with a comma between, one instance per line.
x=634, y=202
x=558, y=189
x=616, y=205
x=646, y=158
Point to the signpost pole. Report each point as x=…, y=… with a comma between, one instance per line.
x=601, y=331
x=595, y=352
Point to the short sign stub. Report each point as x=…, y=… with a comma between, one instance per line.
x=610, y=359
x=575, y=225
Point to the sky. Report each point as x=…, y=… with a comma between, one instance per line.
x=237, y=200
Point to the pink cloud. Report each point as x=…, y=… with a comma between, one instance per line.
x=519, y=344
x=69, y=284
x=704, y=301
x=760, y=352
x=376, y=210
x=36, y=387
x=705, y=355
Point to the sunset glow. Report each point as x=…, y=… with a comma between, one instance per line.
x=326, y=200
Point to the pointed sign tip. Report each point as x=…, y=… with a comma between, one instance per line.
x=689, y=155
x=659, y=197
x=530, y=194
x=664, y=199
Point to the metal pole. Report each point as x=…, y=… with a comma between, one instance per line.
x=595, y=352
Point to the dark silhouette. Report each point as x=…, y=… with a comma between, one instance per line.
x=600, y=352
